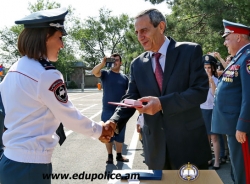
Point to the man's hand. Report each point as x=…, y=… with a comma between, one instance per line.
x=217, y=54
x=153, y=105
x=240, y=136
x=108, y=130
x=138, y=128
x=104, y=61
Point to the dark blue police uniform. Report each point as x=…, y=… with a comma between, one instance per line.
x=232, y=105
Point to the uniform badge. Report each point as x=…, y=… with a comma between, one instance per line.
x=206, y=58
x=231, y=73
x=235, y=67
x=59, y=89
x=188, y=172
x=248, y=66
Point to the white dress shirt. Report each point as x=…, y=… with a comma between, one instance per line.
x=163, y=51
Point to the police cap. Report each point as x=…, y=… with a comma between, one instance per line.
x=45, y=18
x=209, y=59
x=232, y=27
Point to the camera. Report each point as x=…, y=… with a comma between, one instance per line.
x=110, y=62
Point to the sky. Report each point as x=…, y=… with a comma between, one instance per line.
x=12, y=10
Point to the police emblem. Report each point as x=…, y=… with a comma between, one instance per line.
x=188, y=172
x=248, y=66
x=60, y=91
x=207, y=58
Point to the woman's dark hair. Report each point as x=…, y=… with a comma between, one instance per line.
x=214, y=69
x=32, y=42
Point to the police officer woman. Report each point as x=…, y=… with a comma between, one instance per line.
x=210, y=65
x=35, y=100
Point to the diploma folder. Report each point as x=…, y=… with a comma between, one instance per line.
x=143, y=174
x=128, y=103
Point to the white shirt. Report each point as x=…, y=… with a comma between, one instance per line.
x=34, y=112
x=163, y=51
x=140, y=120
x=210, y=97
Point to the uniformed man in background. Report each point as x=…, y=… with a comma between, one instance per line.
x=231, y=115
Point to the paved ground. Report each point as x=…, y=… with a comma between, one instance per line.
x=82, y=154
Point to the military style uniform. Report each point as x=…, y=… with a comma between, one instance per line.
x=231, y=110
x=35, y=100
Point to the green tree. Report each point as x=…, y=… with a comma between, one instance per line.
x=103, y=35
x=130, y=47
x=8, y=45
x=201, y=20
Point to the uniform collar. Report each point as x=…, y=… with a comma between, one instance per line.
x=241, y=49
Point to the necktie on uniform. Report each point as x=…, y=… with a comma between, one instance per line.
x=158, y=70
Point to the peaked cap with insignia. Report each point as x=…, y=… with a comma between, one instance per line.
x=209, y=59
x=232, y=27
x=45, y=18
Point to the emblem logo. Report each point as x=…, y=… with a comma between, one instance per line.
x=248, y=66
x=60, y=91
x=188, y=172
x=206, y=58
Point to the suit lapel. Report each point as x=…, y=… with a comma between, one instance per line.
x=149, y=73
x=171, y=58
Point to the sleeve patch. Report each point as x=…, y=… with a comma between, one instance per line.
x=60, y=91
x=248, y=66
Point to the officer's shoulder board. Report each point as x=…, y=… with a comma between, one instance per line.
x=58, y=87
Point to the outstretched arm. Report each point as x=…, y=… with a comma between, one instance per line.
x=97, y=69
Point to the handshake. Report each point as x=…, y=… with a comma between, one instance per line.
x=108, y=130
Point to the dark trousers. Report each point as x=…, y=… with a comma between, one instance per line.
x=237, y=159
x=12, y=172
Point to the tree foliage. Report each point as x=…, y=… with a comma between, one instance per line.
x=201, y=20
x=9, y=44
x=87, y=40
x=104, y=35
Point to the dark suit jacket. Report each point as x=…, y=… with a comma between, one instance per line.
x=179, y=127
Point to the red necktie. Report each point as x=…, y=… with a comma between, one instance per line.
x=158, y=70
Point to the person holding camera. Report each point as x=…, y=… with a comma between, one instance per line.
x=231, y=100
x=115, y=85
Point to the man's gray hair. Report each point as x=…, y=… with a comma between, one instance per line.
x=246, y=37
x=155, y=16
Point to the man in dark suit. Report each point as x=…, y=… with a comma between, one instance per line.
x=231, y=114
x=174, y=132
